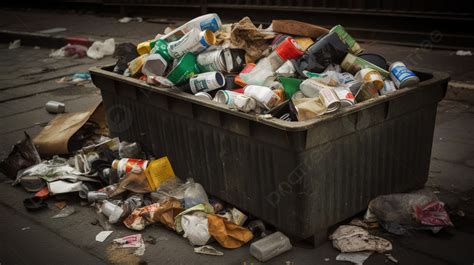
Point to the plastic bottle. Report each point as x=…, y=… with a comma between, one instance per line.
x=210, y=22
x=266, y=67
x=270, y=246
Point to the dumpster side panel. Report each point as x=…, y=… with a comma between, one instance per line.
x=345, y=174
x=240, y=169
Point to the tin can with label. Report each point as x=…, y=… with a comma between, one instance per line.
x=311, y=87
x=194, y=42
x=345, y=96
x=206, y=82
x=366, y=92
x=345, y=37
x=388, y=87
x=402, y=76
x=263, y=95
x=345, y=78
x=371, y=77
x=329, y=99
x=125, y=165
x=222, y=60
x=225, y=97
x=55, y=107
x=354, y=64
x=203, y=95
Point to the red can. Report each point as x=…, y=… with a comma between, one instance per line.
x=125, y=165
x=289, y=49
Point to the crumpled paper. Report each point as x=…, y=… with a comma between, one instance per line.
x=164, y=213
x=253, y=40
x=228, y=234
x=350, y=238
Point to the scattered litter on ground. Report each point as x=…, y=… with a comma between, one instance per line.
x=102, y=236
x=463, y=53
x=25, y=228
x=65, y=212
x=349, y=238
x=14, y=45
x=132, y=241
x=70, y=50
x=270, y=246
x=130, y=19
x=208, y=250
x=398, y=213
x=78, y=79
x=391, y=258
x=357, y=258
x=55, y=107
x=100, y=49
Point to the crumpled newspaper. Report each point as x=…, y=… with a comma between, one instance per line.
x=350, y=238
x=253, y=40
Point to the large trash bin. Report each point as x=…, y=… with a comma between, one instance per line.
x=301, y=177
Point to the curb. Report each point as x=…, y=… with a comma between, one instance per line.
x=42, y=40
x=460, y=91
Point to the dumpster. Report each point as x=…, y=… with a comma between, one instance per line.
x=301, y=177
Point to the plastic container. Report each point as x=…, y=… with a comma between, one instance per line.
x=210, y=22
x=301, y=177
x=270, y=246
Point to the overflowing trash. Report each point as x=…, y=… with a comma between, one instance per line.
x=302, y=70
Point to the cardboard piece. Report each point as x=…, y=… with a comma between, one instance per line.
x=298, y=28
x=54, y=138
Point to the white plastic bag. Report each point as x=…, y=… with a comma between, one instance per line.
x=194, y=195
x=196, y=228
x=100, y=49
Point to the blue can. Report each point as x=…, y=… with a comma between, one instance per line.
x=402, y=76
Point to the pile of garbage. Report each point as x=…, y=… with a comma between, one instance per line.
x=291, y=70
x=126, y=186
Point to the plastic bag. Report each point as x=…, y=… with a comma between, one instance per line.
x=194, y=195
x=100, y=49
x=328, y=50
x=173, y=187
x=412, y=210
x=195, y=228
x=23, y=155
